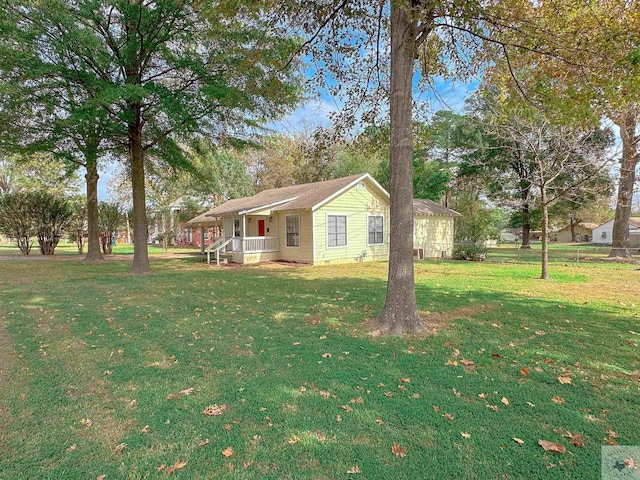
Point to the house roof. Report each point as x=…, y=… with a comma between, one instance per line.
x=203, y=219
x=309, y=195
x=422, y=206
x=588, y=226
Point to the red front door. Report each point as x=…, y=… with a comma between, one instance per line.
x=261, y=228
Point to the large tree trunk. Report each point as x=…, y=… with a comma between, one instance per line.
x=572, y=225
x=93, y=225
x=140, y=252
x=400, y=313
x=545, y=234
x=628, y=162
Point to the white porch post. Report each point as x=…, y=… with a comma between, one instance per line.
x=244, y=232
x=201, y=240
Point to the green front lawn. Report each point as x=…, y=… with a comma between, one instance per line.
x=295, y=384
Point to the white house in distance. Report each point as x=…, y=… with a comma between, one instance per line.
x=602, y=234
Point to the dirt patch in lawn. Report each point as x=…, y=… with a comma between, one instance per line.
x=435, y=322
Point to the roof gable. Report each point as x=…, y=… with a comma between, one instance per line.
x=309, y=195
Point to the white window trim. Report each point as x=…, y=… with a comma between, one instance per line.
x=384, y=230
x=299, y=231
x=233, y=227
x=346, y=226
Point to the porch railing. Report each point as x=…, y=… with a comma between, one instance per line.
x=260, y=244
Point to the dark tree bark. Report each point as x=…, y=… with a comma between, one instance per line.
x=545, y=233
x=525, y=192
x=140, y=251
x=400, y=313
x=93, y=226
x=628, y=163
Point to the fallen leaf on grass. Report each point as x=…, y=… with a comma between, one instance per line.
x=379, y=421
x=482, y=395
x=145, y=429
x=448, y=416
x=493, y=407
x=292, y=441
x=467, y=363
x=355, y=469
x=133, y=403
x=398, y=451
x=107, y=372
x=186, y=391
x=505, y=400
x=465, y=435
x=518, y=440
x=324, y=394
x=176, y=466
x=613, y=434
x=71, y=448
x=524, y=371
x=202, y=443
x=558, y=400
x=577, y=440
x=86, y=422
x=162, y=467
x=564, y=380
x=496, y=355
x=356, y=400
x=436, y=408
x=120, y=447
x=449, y=363
x=532, y=405
x=402, y=387
x=338, y=418
x=214, y=410
x=540, y=332
x=227, y=452
x=101, y=477
x=326, y=355
x=388, y=394
x=347, y=408
x=552, y=446
x=404, y=380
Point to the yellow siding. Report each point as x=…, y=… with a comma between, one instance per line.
x=357, y=205
x=303, y=253
x=434, y=234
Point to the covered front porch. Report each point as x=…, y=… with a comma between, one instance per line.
x=246, y=239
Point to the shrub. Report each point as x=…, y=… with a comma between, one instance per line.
x=470, y=253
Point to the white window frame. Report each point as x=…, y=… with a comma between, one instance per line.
x=383, y=230
x=233, y=227
x=286, y=235
x=346, y=227
x=188, y=233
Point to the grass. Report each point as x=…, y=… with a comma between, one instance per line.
x=99, y=357
x=67, y=249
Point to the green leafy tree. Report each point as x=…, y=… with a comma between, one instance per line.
x=110, y=218
x=77, y=227
x=477, y=221
x=163, y=70
x=16, y=219
x=51, y=215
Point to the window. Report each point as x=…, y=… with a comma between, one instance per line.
x=604, y=234
x=360, y=186
x=336, y=230
x=206, y=234
x=293, y=230
x=236, y=227
x=188, y=235
x=375, y=230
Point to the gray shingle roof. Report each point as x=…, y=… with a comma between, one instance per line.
x=422, y=206
x=288, y=198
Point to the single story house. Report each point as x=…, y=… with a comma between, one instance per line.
x=583, y=231
x=334, y=221
x=603, y=234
